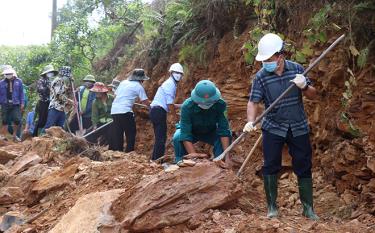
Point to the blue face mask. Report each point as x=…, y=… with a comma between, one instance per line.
x=270, y=66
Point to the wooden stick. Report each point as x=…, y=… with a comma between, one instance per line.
x=249, y=155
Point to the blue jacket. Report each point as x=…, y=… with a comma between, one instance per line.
x=18, y=95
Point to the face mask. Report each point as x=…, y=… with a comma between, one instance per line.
x=270, y=66
x=89, y=84
x=50, y=75
x=177, y=76
x=8, y=76
x=205, y=106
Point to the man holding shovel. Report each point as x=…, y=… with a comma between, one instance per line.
x=285, y=123
x=85, y=99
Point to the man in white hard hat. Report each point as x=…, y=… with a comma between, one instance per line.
x=12, y=100
x=162, y=104
x=285, y=123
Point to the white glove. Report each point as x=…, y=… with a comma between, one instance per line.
x=300, y=81
x=249, y=127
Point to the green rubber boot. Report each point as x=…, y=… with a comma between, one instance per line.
x=270, y=187
x=306, y=195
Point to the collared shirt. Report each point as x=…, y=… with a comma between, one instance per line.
x=197, y=121
x=289, y=112
x=101, y=112
x=43, y=87
x=58, y=94
x=165, y=94
x=125, y=96
x=18, y=95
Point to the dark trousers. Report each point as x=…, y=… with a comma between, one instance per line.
x=299, y=149
x=158, y=117
x=102, y=136
x=123, y=123
x=86, y=123
x=42, y=112
x=11, y=112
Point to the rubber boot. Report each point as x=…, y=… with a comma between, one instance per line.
x=306, y=196
x=270, y=187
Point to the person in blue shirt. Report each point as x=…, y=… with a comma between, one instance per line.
x=163, y=104
x=286, y=123
x=203, y=118
x=29, y=128
x=11, y=119
x=12, y=100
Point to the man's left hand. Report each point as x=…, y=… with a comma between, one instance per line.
x=300, y=81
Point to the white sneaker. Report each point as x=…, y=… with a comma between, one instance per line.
x=16, y=139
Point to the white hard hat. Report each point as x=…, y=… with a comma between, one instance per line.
x=9, y=70
x=176, y=67
x=268, y=45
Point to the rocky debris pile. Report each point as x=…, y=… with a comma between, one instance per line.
x=147, y=207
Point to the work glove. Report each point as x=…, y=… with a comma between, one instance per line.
x=249, y=127
x=300, y=81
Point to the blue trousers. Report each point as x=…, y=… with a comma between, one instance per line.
x=299, y=149
x=211, y=138
x=55, y=118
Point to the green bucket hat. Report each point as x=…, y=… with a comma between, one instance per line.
x=138, y=75
x=205, y=92
x=89, y=78
x=49, y=68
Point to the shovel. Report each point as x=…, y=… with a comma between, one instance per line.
x=77, y=110
x=99, y=128
x=230, y=147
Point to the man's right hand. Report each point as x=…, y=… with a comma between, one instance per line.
x=249, y=127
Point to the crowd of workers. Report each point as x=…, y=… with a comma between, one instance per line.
x=203, y=116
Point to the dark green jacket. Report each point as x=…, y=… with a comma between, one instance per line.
x=197, y=121
x=101, y=113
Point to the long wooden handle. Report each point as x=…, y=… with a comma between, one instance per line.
x=249, y=155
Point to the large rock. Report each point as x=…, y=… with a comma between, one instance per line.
x=9, y=195
x=26, y=178
x=89, y=213
x=45, y=147
x=4, y=173
x=25, y=162
x=6, y=155
x=171, y=198
x=55, y=180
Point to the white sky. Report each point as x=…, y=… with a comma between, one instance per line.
x=27, y=22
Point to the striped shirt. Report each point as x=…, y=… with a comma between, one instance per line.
x=289, y=113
